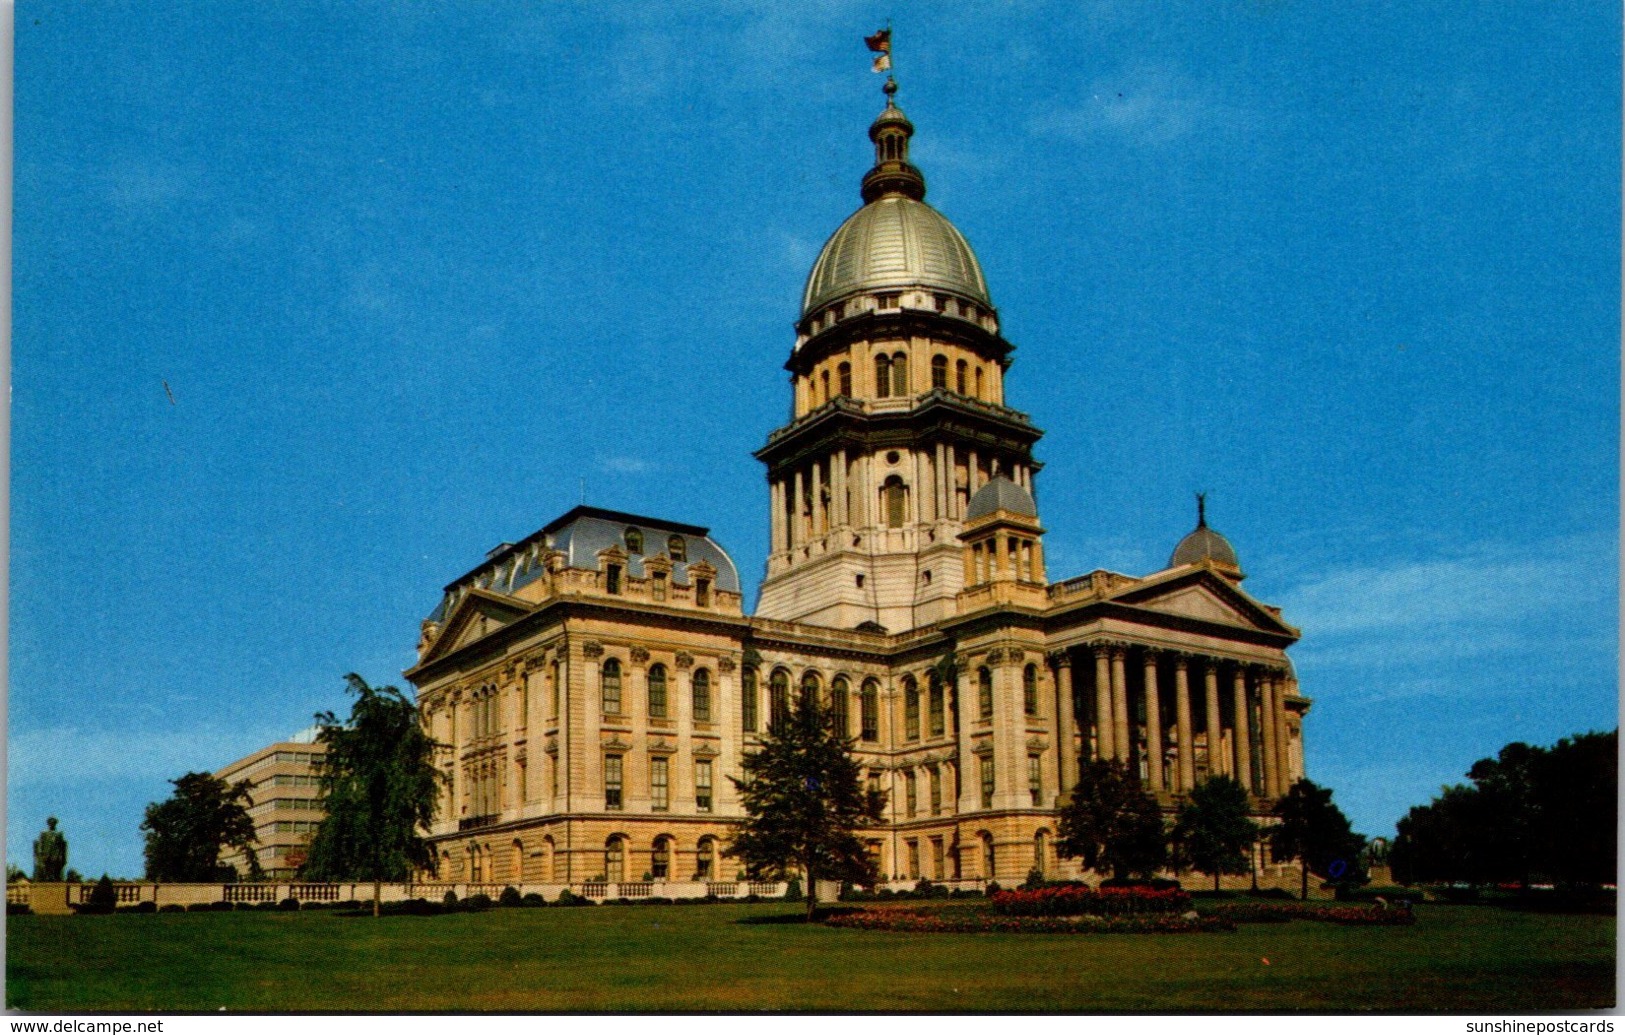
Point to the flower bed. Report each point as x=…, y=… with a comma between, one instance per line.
x=1281, y=912
x=979, y=922
x=1079, y=900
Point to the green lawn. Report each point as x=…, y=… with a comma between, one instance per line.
x=676, y=958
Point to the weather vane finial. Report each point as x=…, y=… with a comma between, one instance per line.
x=880, y=43
x=1201, y=510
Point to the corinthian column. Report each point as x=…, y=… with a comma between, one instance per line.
x=1216, y=765
x=1244, y=745
x=1103, y=702
x=1120, y=741
x=1182, y=717
x=1153, y=723
x=1065, y=722
x=1267, y=727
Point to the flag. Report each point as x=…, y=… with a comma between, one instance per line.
x=880, y=43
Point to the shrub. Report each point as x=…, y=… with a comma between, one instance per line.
x=792, y=890
x=139, y=907
x=173, y=907
x=478, y=903
x=509, y=898
x=992, y=888
x=18, y=909
x=1272, y=893
x=288, y=905
x=209, y=907
x=266, y=906
x=1035, y=879
x=532, y=899
x=568, y=898
x=966, y=922
x=449, y=900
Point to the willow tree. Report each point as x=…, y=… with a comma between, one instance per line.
x=379, y=785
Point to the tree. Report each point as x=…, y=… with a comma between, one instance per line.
x=804, y=801
x=14, y=873
x=186, y=833
x=379, y=785
x=1214, y=834
x=1313, y=831
x=1111, y=822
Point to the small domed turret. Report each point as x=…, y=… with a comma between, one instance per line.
x=1204, y=544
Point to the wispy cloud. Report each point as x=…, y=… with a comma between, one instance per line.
x=624, y=465
x=1147, y=105
x=1486, y=601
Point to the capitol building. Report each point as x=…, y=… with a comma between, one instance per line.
x=597, y=682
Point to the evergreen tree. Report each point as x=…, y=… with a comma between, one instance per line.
x=1313, y=831
x=1112, y=823
x=804, y=801
x=186, y=833
x=379, y=785
x=1214, y=833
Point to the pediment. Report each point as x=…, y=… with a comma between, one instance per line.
x=1205, y=597
x=476, y=616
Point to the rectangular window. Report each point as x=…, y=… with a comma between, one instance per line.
x=913, y=860
x=702, y=592
x=659, y=784
x=910, y=793
x=939, y=859
x=612, y=579
x=873, y=783
x=939, y=724
x=936, y=790
x=1035, y=778
x=747, y=698
x=612, y=781
x=870, y=714
x=657, y=586
x=987, y=781
x=702, y=786
x=911, y=714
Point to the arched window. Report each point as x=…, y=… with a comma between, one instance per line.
x=869, y=711
x=823, y=379
x=978, y=382
x=959, y=377
x=615, y=858
x=660, y=858
x=894, y=501
x=701, y=685
x=844, y=378
x=657, y=691
x=1041, y=853
x=747, y=699
x=882, y=377
x=839, y=689
x=705, y=857
x=936, y=707
x=611, y=681
x=911, y=708
x=778, y=694
x=634, y=540
x=677, y=548
x=1029, y=690
x=809, y=689
x=899, y=374
x=984, y=692
x=939, y=371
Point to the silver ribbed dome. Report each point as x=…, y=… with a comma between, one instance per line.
x=894, y=242
x=1001, y=494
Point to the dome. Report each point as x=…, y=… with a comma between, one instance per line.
x=1204, y=544
x=1001, y=494
x=894, y=242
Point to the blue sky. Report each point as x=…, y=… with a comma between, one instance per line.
x=415, y=273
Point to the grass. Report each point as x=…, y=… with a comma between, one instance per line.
x=684, y=958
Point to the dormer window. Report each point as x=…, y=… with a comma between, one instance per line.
x=612, y=579
x=888, y=301
x=702, y=592
x=634, y=540
x=677, y=548
x=657, y=587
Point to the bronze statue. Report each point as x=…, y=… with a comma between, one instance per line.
x=50, y=853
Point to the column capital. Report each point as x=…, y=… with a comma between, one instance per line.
x=1060, y=658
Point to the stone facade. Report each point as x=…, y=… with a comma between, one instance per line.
x=597, y=684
